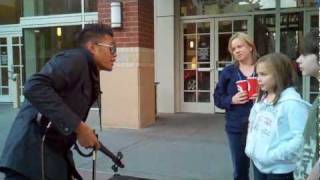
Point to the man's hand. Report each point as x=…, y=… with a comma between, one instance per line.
x=86, y=136
x=240, y=98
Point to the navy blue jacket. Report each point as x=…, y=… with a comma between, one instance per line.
x=236, y=114
x=63, y=92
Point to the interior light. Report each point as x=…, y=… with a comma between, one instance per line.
x=116, y=19
x=191, y=44
x=59, y=31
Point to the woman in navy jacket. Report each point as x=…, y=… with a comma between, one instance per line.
x=237, y=104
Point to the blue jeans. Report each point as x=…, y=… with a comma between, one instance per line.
x=240, y=161
x=262, y=176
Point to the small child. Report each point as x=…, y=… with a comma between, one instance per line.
x=276, y=121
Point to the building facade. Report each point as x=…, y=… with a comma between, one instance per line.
x=170, y=52
x=191, y=40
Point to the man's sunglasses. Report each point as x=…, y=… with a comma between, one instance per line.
x=112, y=47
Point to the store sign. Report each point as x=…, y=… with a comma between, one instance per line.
x=203, y=54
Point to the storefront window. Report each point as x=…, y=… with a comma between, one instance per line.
x=291, y=34
x=264, y=33
x=50, y=7
x=42, y=43
x=297, y=3
x=209, y=7
x=10, y=11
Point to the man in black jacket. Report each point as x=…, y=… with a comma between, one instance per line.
x=58, y=99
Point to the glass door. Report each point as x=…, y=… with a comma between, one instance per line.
x=11, y=67
x=4, y=70
x=225, y=28
x=204, y=55
x=197, y=67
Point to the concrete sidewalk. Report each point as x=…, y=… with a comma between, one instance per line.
x=180, y=146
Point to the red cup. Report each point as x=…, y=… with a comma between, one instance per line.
x=242, y=85
x=253, y=86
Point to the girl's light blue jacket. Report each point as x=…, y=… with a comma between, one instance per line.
x=275, y=133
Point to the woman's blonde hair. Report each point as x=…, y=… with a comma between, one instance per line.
x=248, y=40
x=282, y=72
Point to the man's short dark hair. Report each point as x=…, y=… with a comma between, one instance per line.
x=92, y=32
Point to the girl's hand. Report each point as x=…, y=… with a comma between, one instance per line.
x=240, y=98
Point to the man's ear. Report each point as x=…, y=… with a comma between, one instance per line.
x=91, y=46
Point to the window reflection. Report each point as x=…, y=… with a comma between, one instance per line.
x=297, y=3
x=50, y=7
x=207, y=7
x=10, y=11
x=291, y=33
x=42, y=43
x=264, y=38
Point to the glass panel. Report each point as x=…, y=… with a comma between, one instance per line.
x=204, y=80
x=240, y=25
x=204, y=27
x=297, y=3
x=224, y=54
x=264, y=36
x=207, y=65
x=204, y=48
x=5, y=91
x=188, y=8
x=10, y=11
x=52, y=7
x=16, y=55
x=204, y=96
x=209, y=7
x=16, y=69
x=311, y=3
x=190, y=82
x=90, y=6
x=3, y=41
x=313, y=97
x=314, y=85
x=41, y=43
x=15, y=40
x=314, y=21
x=23, y=76
x=194, y=66
x=4, y=76
x=190, y=49
x=189, y=28
x=3, y=56
x=190, y=97
x=291, y=32
x=290, y=3
x=225, y=26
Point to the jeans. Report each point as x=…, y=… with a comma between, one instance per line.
x=240, y=161
x=262, y=176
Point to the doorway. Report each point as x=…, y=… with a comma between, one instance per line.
x=204, y=55
x=11, y=67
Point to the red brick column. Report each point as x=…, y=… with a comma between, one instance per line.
x=128, y=99
x=137, y=22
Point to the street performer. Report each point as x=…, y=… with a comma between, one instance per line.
x=57, y=102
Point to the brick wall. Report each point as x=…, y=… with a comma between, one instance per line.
x=137, y=27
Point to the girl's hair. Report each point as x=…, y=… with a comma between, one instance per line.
x=311, y=43
x=282, y=72
x=248, y=40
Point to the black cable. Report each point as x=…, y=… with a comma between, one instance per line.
x=42, y=151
